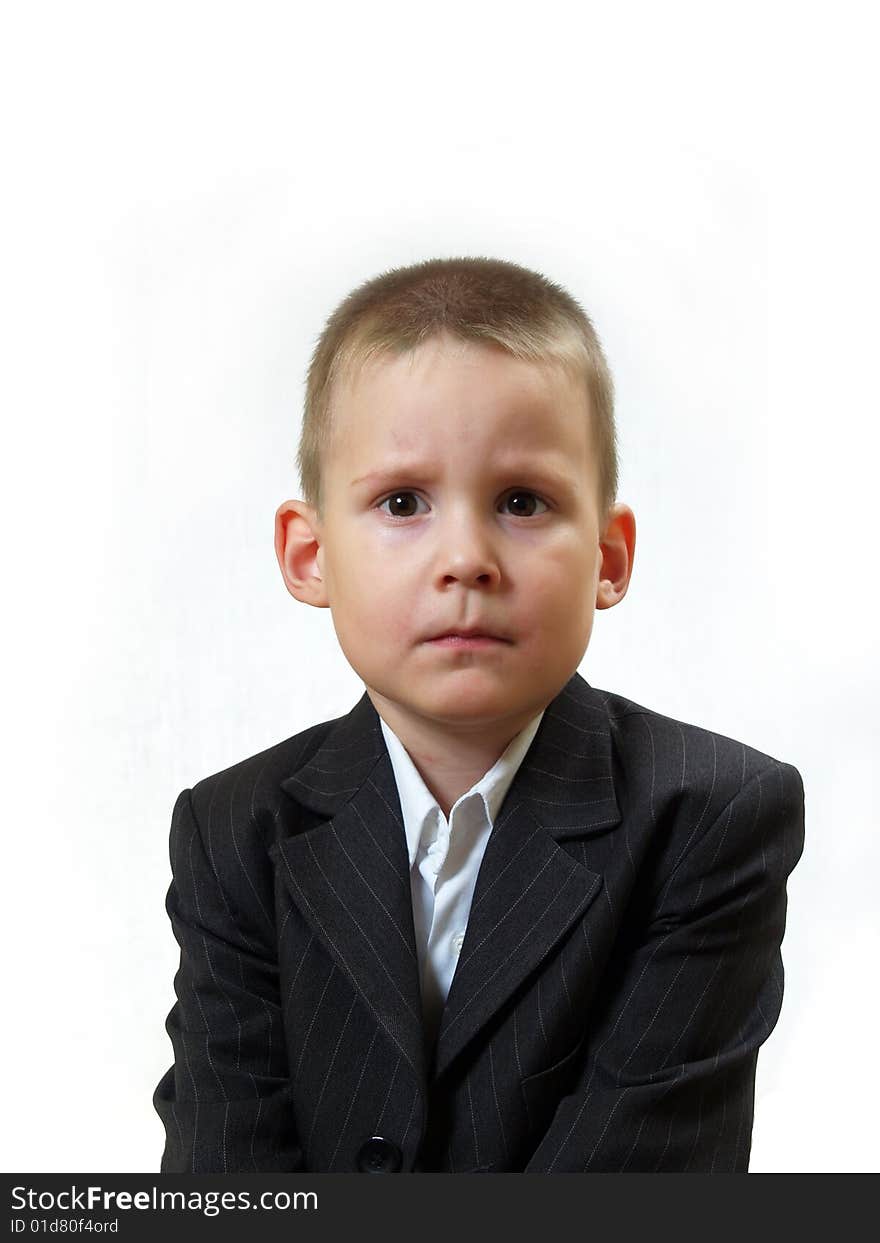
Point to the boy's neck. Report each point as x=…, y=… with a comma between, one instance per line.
x=450, y=761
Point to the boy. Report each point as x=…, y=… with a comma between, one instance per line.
x=493, y=919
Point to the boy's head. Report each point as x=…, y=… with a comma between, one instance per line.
x=459, y=471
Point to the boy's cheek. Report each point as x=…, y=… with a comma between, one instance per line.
x=557, y=576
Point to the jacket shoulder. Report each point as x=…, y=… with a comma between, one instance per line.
x=689, y=782
x=228, y=820
x=239, y=807
x=679, y=756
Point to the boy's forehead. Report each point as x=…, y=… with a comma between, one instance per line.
x=424, y=397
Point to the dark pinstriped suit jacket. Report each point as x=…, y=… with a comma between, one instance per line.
x=620, y=970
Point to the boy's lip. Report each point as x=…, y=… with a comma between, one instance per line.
x=468, y=632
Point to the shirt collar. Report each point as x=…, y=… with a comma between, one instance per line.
x=418, y=804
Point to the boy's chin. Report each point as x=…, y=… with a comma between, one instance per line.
x=464, y=704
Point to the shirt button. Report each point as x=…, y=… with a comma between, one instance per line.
x=457, y=943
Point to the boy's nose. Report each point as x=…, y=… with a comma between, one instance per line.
x=466, y=555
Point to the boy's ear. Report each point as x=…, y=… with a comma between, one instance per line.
x=618, y=545
x=297, y=547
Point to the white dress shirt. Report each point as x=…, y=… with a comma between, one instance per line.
x=445, y=857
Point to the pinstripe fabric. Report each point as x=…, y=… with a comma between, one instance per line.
x=620, y=970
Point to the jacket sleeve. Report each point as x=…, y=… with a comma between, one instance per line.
x=667, y=1080
x=224, y=1103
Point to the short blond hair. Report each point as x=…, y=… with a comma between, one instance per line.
x=473, y=299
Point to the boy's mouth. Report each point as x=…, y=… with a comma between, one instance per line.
x=460, y=637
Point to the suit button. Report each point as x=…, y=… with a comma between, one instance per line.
x=379, y=1156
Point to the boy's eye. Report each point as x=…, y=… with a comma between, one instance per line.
x=522, y=499
x=530, y=499
x=398, y=500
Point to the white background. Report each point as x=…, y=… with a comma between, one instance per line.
x=189, y=191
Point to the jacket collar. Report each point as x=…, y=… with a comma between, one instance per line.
x=349, y=872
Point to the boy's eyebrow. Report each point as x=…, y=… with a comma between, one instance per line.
x=420, y=470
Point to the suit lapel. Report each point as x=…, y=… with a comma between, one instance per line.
x=533, y=884
x=349, y=874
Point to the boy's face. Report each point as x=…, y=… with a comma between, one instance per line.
x=460, y=493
